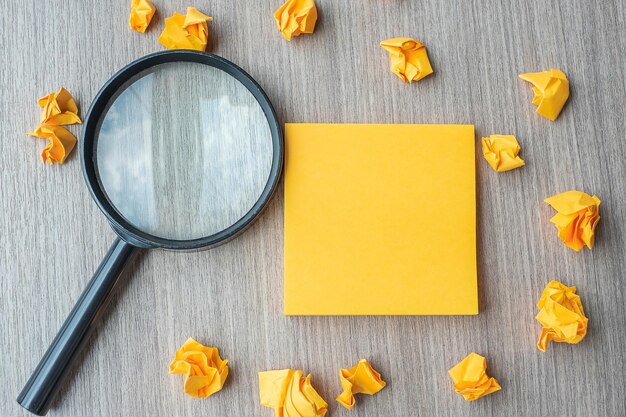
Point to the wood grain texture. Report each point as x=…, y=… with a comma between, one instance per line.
x=53, y=236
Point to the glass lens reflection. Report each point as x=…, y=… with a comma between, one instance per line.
x=184, y=151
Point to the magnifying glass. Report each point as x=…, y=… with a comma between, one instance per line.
x=181, y=150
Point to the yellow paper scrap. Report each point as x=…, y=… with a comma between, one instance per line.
x=408, y=58
x=186, y=32
x=60, y=143
x=290, y=394
x=141, y=12
x=296, y=17
x=551, y=90
x=360, y=379
x=501, y=151
x=471, y=379
x=58, y=109
x=576, y=219
x=205, y=372
x=561, y=314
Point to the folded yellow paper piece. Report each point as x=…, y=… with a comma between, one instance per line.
x=141, y=12
x=186, y=32
x=561, y=314
x=60, y=143
x=58, y=109
x=576, y=219
x=360, y=379
x=205, y=372
x=471, y=379
x=290, y=394
x=501, y=151
x=296, y=17
x=408, y=58
x=551, y=90
x=380, y=219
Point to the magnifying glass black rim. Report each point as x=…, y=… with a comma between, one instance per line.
x=121, y=226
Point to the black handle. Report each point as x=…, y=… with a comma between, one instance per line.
x=44, y=383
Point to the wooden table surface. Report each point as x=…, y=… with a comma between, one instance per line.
x=53, y=236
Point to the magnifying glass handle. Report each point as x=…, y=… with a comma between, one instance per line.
x=40, y=390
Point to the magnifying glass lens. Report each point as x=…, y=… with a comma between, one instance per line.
x=183, y=151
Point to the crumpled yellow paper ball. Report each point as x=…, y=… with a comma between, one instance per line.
x=471, y=379
x=561, y=314
x=576, y=219
x=296, y=17
x=360, y=379
x=408, y=58
x=290, y=394
x=58, y=109
x=186, y=32
x=501, y=151
x=205, y=372
x=551, y=90
x=141, y=13
x=60, y=143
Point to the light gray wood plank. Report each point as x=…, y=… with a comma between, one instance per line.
x=53, y=236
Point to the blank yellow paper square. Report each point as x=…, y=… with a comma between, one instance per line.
x=380, y=219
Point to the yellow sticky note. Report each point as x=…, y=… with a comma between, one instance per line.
x=408, y=58
x=380, y=219
x=561, y=314
x=186, y=32
x=295, y=17
x=205, y=371
x=501, y=151
x=290, y=394
x=576, y=219
x=470, y=378
x=551, y=90
x=141, y=13
x=360, y=379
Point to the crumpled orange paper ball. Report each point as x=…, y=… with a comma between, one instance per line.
x=290, y=394
x=186, y=32
x=576, y=219
x=296, y=17
x=501, y=152
x=205, y=372
x=551, y=90
x=60, y=143
x=408, y=58
x=471, y=379
x=360, y=379
x=58, y=109
x=561, y=314
x=141, y=12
